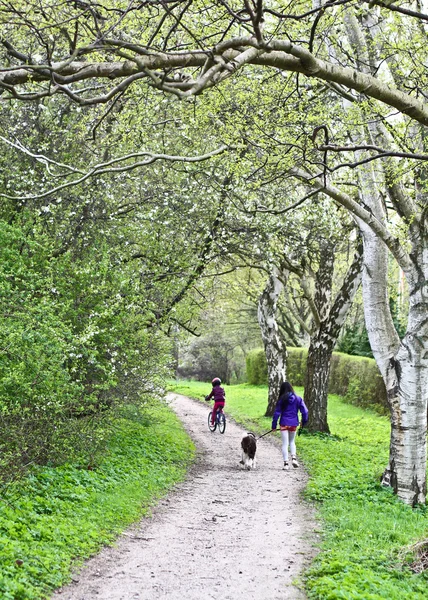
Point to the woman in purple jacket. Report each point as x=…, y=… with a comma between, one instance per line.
x=287, y=411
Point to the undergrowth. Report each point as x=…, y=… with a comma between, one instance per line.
x=56, y=517
x=366, y=530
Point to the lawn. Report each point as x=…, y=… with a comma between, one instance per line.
x=366, y=531
x=56, y=517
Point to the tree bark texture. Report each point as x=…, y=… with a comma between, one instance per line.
x=403, y=365
x=275, y=350
x=324, y=339
x=404, y=368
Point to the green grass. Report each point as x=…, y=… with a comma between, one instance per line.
x=364, y=527
x=56, y=517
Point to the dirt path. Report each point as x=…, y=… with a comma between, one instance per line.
x=225, y=533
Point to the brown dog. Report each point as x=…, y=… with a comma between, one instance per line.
x=249, y=448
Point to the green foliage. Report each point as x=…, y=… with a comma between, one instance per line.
x=364, y=526
x=354, y=340
x=356, y=379
x=227, y=325
x=73, y=347
x=397, y=318
x=256, y=367
x=296, y=365
x=56, y=516
x=208, y=357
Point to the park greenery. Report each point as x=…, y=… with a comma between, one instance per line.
x=304, y=158
x=184, y=181
x=56, y=517
x=367, y=535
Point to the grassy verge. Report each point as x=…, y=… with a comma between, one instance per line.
x=365, y=529
x=59, y=516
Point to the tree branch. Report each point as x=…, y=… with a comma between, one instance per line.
x=279, y=54
x=399, y=9
x=106, y=168
x=382, y=153
x=359, y=212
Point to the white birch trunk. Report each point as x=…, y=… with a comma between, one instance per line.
x=403, y=365
x=275, y=351
x=404, y=368
x=325, y=337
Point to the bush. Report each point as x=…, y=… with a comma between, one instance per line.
x=210, y=356
x=257, y=367
x=296, y=365
x=72, y=350
x=355, y=378
x=358, y=380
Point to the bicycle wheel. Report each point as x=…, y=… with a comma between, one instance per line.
x=222, y=422
x=210, y=426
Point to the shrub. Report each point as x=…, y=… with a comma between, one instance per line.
x=358, y=380
x=257, y=367
x=213, y=355
x=73, y=349
x=355, y=378
x=296, y=365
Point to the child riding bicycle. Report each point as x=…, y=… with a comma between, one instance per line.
x=219, y=396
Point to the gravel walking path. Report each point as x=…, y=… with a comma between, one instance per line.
x=224, y=533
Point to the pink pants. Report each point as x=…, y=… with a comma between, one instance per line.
x=217, y=405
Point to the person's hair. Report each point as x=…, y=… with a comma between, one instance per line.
x=286, y=388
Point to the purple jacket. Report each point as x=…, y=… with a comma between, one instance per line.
x=218, y=393
x=287, y=409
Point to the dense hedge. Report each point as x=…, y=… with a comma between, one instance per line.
x=74, y=349
x=256, y=367
x=355, y=378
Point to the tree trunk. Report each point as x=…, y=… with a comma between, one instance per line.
x=275, y=351
x=404, y=369
x=403, y=365
x=320, y=348
x=316, y=384
x=324, y=340
x=406, y=378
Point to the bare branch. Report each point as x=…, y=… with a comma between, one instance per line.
x=232, y=54
x=107, y=168
x=382, y=153
x=314, y=11
x=311, y=301
x=295, y=312
x=399, y=9
x=39, y=157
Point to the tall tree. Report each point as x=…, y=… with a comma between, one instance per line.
x=92, y=57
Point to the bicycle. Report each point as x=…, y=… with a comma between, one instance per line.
x=220, y=421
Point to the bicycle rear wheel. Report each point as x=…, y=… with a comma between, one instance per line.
x=222, y=422
x=210, y=426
